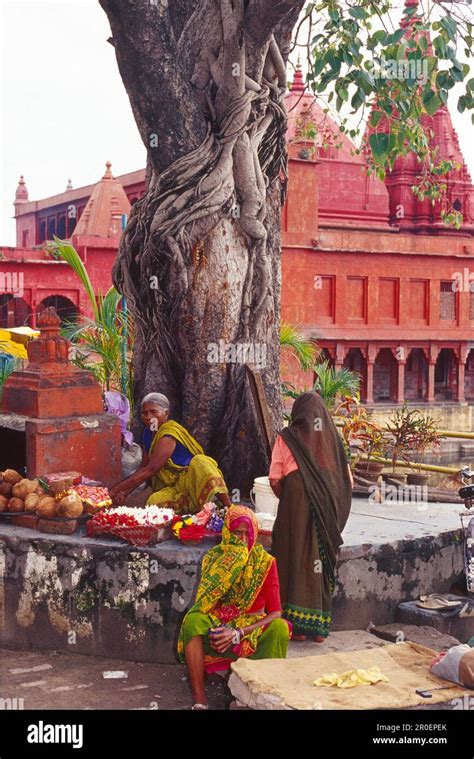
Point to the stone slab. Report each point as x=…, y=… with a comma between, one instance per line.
x=461, y=628
x=94, y=596
x=394, y=552
x=424, y=635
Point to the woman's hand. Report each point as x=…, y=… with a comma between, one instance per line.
x=118, y=496
x=221, y=640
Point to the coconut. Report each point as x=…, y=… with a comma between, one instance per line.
x=40, y=490
x=16, y=505
x=31, y=502
x=11, y=476
x=6, y=489
x=24, y=487
x=69, y=506
x=46, y=506
x=3, y=503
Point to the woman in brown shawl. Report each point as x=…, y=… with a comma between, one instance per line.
x=310, y=475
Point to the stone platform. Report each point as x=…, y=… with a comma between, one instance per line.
x=101, y=596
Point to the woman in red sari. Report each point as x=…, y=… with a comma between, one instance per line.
x=237, y=611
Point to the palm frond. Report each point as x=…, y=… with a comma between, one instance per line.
x=71, y=256
x=293, y=338
x=332, y=383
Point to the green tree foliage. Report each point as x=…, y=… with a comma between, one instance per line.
x=361, y=63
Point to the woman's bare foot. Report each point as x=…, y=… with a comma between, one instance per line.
x=319, y=639
x=298, y=637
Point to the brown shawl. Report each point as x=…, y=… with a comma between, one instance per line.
x=315, y=443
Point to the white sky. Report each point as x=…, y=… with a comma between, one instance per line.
x=64, y=110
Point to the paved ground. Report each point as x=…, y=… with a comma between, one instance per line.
x=59, y=680
x=377, y=523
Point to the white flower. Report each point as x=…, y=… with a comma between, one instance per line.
x=152, y=514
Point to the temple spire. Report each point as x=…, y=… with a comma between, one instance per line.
x=21, y=194
x=298, y=84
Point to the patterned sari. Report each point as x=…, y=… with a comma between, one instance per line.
x=232, y=576
x=185, y=488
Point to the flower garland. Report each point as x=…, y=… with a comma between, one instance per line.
x=124, y=516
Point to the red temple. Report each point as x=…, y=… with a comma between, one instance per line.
x=371, y=273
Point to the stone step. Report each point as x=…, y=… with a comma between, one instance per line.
x=422, y=634
x=462, y=628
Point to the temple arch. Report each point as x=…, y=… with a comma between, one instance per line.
x=385, y=376
x=65, y=308
x=416, y=376
x=446, y=375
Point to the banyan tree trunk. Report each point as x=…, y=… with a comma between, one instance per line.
x=199, y=261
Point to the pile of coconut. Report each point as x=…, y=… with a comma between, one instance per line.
x=20, y=495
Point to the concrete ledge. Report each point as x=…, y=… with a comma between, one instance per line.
x=104, y=597
x=394, y=553
x=94, y=596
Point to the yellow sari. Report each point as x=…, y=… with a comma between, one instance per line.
x=185, y=488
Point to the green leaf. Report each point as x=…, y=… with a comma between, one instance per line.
x=358, y=12
x=380, y=145
x=358, y=99
x=395, y=37
x=375, y=117
x=450, y=27
x=70, y=254
x=457, y=75
x=423, y=44
x=431, y=101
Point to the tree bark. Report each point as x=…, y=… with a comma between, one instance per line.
x=199, y=261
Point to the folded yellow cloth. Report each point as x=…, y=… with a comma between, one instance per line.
x=352, y=678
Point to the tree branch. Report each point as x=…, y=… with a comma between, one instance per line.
x=263, y=16
x=168, y=117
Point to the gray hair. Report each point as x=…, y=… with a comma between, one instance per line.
x=158, y=398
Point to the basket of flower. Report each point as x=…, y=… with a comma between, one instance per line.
x=193, y=528
x=187, y=530
x=138, y=526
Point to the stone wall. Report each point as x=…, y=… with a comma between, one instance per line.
x=101, y=597
x=373, y=579
x=94, y=596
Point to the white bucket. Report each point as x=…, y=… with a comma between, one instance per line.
x=263, y=497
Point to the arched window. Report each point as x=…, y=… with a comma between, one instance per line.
x=62, y=227
x=51, y=227
x=65, y=308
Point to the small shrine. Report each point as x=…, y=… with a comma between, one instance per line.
x=58, y=407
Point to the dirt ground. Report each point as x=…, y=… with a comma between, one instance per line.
x=58, y=680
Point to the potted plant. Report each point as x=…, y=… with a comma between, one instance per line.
x=411, y=434
x=428, y=439
x=401, y=427
x=363, y=434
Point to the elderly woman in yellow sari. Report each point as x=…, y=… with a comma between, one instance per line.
x=237, y=611
x=182, y=476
